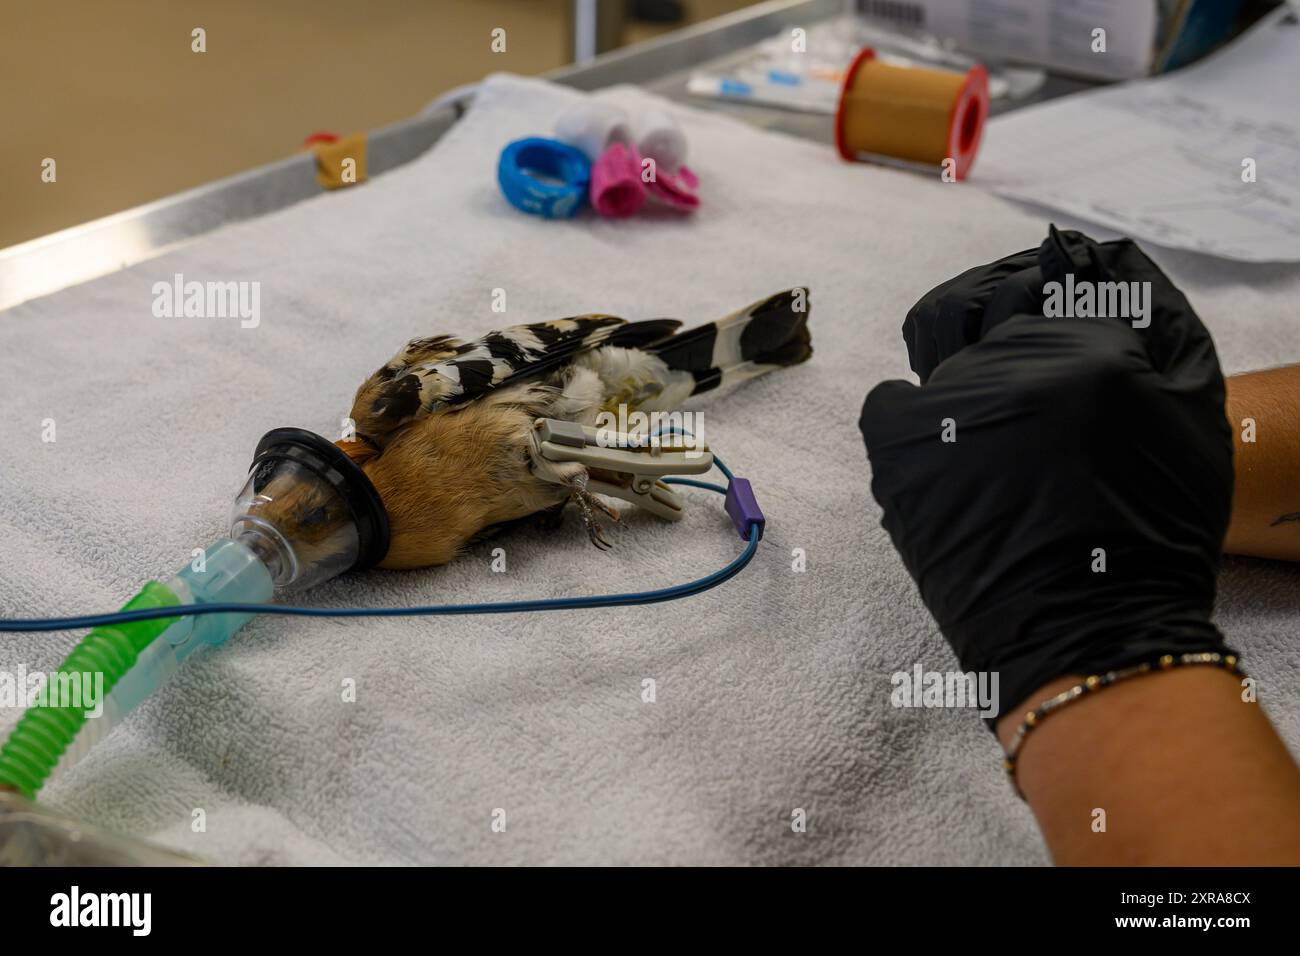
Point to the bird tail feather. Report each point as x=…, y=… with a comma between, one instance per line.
x=769, y=334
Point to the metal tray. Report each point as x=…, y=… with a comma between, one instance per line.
x=102, y=246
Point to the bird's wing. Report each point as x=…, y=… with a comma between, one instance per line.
x=416, y=384
x=431, y=348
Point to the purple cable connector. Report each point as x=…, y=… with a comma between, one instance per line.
x=743, y=508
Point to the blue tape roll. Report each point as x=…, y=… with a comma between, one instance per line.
x=544, y=177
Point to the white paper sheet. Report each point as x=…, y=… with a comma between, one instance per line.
x=1053, y=33
x=1162, y=160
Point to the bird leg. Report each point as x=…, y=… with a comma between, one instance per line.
x=590, y=506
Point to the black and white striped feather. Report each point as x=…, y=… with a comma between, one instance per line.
x=641, y=364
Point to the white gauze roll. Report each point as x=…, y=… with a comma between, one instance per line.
x=660, y=138
x=592, y=127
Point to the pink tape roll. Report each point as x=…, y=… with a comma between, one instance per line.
x=678, y=190
x=616, y=187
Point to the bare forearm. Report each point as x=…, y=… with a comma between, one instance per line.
x=1176, y=766
x=1264, y=412
x=1184, y=771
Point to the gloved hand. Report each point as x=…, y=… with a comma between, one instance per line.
x=1073, y=524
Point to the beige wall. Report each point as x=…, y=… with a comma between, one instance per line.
x=111, y=90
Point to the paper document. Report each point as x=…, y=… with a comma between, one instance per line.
x=1207, y=158
x=1055, y=33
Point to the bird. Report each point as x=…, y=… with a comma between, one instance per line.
x=444, y=430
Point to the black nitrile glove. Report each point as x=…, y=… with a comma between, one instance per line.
x=1077, y=441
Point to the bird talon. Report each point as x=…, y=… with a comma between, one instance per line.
x=608, y=510
x=588, y=506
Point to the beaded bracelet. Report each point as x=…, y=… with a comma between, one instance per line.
x=1093, y=684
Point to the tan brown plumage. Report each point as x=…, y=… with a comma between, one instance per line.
x=453, y=475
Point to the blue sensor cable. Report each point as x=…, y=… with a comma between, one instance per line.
x=628, y=599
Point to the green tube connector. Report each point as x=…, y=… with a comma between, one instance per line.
x=135, y=659
x=44, y=732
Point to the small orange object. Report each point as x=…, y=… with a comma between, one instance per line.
x=911, y=113
x=340, y=160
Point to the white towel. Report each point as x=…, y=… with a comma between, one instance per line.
x=772, y=692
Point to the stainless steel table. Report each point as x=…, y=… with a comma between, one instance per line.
x=102, y=246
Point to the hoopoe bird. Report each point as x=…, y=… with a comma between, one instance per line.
x=445, y=431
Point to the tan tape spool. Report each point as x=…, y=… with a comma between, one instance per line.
x=910, y=113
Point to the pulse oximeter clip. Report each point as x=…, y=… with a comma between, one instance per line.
x=635, y=463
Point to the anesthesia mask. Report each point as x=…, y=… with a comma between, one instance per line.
x=306, y=514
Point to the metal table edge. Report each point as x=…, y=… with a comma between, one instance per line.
x=93, y=249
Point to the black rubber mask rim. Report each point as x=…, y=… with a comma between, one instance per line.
x=330, y=462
